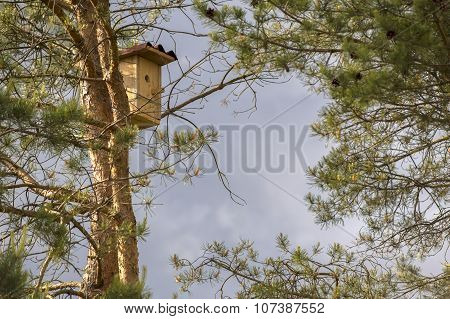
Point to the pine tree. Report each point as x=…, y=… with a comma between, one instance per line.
x=298, y=273
x=65, y=136
x=384, y=65
x=14, y=280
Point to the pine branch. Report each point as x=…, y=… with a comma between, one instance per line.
x=49, y=192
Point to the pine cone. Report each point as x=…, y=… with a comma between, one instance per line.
x=210, y=12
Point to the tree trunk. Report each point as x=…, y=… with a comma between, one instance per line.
x=128, y=256
x=102, y=263
x=113, y=226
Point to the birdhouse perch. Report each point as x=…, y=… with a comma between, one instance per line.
x=140, y=66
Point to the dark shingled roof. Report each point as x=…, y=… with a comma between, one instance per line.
x=154, y=53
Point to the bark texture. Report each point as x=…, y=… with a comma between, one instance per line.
x=113, y=224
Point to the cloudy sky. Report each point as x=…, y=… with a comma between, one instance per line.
x=188, y=216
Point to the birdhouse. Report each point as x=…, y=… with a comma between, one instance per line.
x=140, y=66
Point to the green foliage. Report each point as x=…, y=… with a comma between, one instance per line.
x=51, y=127
x=190, y=141
x=441, y=288
x=126, y=136
x=170, y=151
x=384, y=63
x=385, y=66
x=119, y=290
x=62, y=123
x=52, y=231
x=76, y=162
x=300, y=273
x=46, y=135
x=14, y=280
x=18, y=111
x=142, y=229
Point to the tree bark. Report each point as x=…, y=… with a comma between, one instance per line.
x=114, y=226
x=102, y=264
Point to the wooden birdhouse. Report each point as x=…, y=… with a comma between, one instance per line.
x=140, y=66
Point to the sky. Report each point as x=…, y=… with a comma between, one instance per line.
x=264, y=155
x=188, y=216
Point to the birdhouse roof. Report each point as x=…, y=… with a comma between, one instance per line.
x=155, y=53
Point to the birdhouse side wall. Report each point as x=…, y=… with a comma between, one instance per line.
x=128, y=68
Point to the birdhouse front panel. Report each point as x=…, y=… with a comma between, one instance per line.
x=141, y=70
x=149, y=89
